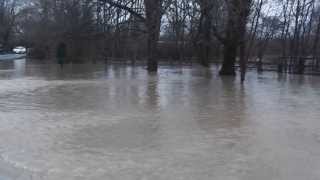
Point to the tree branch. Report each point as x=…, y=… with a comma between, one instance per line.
x=126, y=8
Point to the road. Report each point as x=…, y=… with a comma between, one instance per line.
x=11, y=56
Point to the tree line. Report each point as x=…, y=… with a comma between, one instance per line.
x=228, y=30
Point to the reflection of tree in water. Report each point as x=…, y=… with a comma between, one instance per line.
x=152, y=94
x=223, y=107
x=314, y=82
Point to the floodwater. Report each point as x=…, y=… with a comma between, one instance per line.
x=113, y=122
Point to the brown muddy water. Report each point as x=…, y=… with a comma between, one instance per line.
x=101, y=122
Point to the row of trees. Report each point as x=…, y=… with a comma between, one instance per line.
x=236, y=30
x=8, y=15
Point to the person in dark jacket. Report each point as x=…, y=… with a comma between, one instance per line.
x=61, y=53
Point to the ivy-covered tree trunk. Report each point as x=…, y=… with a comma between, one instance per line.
x=153, y=21
x=238, y=12
x=230, y=47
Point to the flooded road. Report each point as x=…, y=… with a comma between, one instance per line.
x=94, y=122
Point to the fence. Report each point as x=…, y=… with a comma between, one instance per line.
x=299, y=65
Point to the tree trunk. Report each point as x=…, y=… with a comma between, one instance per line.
x=243, y=60
x=253, y=30
x=205, y=32
x=229, y=59
x=153, y=20
x=238, y=12
x=152, y=51
x=316, y=39
x=231, y=41
x=243, y=19
x=230, y=47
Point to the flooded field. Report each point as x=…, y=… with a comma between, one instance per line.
x=94, y=122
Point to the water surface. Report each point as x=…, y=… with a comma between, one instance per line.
x=95, y=121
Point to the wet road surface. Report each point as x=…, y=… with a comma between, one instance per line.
x=95, y=121
x=11, y=56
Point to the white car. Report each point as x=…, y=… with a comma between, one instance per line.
x=19, y=50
